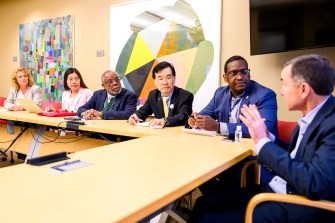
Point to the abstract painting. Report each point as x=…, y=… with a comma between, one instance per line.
x=184, y=33
x=46, y=49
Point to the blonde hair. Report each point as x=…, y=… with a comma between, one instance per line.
x=26, y=72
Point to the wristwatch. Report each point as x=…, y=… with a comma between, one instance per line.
x=166, y=121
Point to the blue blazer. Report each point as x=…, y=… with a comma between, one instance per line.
x=178, y=113
x=124, y=105
x=264, y=98
x=312, y=172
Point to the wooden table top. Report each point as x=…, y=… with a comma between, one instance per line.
x=126, y=182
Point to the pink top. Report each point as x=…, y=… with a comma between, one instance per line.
x=72, y=104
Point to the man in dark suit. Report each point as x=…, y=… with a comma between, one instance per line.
x=305, y=166
x=222, y=115
x=112, y=102
x=171, y=105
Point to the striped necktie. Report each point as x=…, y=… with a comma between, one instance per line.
x=166, y=110
x=109, y=105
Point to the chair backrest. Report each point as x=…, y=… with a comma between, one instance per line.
x=285, y=129
x=2, y=101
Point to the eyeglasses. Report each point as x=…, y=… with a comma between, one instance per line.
x=243, y=72
x=167, y=79
x=73, y=79
x=111, y=81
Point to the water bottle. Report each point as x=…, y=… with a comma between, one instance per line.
x=238, y=133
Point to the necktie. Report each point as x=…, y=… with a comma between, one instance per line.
x=109, y=105
x=166, y=110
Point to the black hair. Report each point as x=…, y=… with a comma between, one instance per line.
x=70, y=71
x=233, y=58
x=162, y=66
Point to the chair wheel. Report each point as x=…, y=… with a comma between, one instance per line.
x=3, y=159
x=12, y=161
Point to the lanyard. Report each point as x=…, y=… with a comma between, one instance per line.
x=233, y=108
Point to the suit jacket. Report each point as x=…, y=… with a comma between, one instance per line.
x=84, y=94
x=312, y=172
x=179, y=109
x=34, y=92
x=124, y=105
x=264, y=98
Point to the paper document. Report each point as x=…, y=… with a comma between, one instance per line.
x=144, y=124
x=199, y=132
x=147, y=124
x=67, y=166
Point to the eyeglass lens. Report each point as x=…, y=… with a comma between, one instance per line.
x=111, y=81
x=243, y=72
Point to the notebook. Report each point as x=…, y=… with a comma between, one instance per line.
x=57, y=114
x=29, y=105
x=199, y=132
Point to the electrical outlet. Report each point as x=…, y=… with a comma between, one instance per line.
x=100, y=53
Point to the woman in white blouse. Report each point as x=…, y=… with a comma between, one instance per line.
x=22, y=87
x=76, y=92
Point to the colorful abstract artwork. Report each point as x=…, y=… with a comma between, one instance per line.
x=46, y=49
x=185, y=33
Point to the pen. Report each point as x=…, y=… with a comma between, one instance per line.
x=59, y=167
x=138, y=119
x=191, y=116
x=68, y=163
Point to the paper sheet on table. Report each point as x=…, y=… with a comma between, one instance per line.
x=68, y=166
x=199, y=132
x=156, y=126
x=144, y=124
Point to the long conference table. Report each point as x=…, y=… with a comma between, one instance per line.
x=125, y=182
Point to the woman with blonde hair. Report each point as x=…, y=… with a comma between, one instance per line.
x=22, y=87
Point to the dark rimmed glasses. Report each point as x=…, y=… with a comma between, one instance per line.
x=243, y=72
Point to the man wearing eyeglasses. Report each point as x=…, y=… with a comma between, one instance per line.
x=171, y=105
x=222, y=112
x=112, y=102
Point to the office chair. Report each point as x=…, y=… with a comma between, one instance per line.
x=286, y=198
x=285, y=130
x=3, y=153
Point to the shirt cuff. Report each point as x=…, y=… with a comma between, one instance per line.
x=272, y=137
x=223, y=128
x=260, y=144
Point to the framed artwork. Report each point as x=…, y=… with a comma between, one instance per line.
x=46, y=49
x=184, y=33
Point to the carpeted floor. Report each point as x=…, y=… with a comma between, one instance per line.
x=5, y=161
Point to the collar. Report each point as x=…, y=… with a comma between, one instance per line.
x=170, y=95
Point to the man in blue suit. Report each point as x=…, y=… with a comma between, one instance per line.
x=113, y=102
x=222, y=115
x=305, y=166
